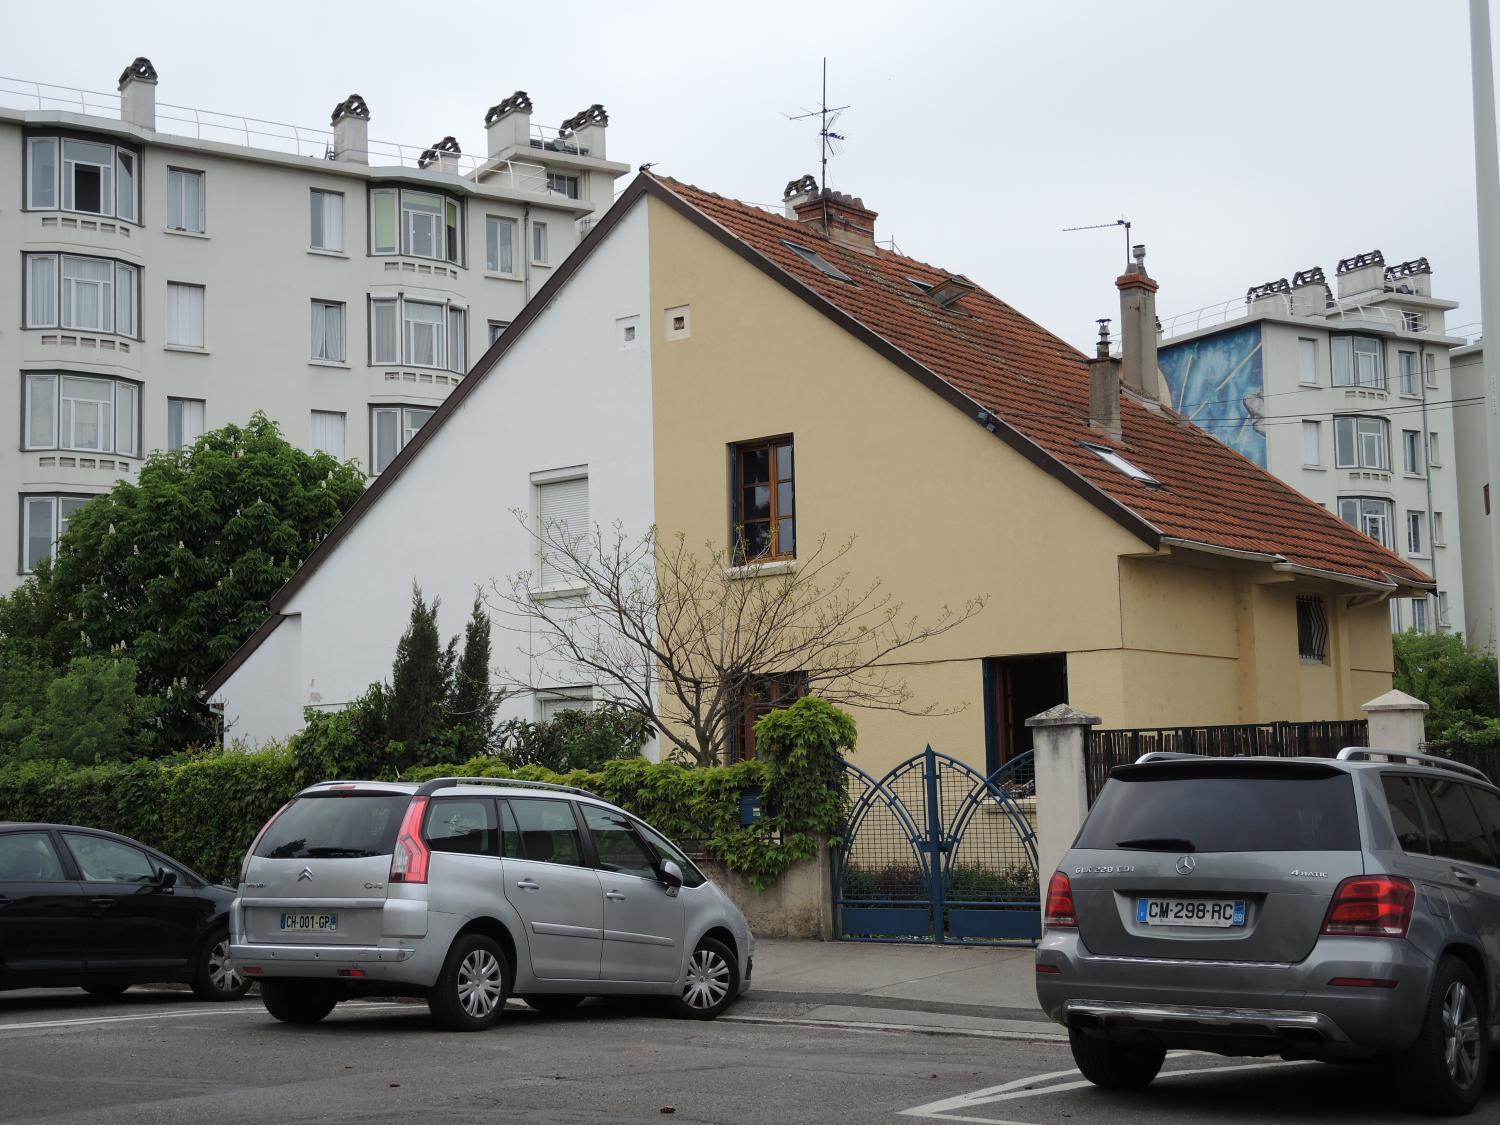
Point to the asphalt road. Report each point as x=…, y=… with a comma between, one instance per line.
x=163, y=1057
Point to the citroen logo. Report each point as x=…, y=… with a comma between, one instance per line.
x=1186, y=864
x=306, y=872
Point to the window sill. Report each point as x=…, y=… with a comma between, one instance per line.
x=551, y=593
x=503, y=276
x=185, y=233
x=1309, y=386
x=329, y=363
x=760, y=569
x=319, y=252
x=1312, y=661
x=190, y=349
x=541, y=265
x=1315, y=468
x=1411, y=395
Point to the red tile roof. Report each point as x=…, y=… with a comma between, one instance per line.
x=1038, y=386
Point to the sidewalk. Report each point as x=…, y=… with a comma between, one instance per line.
x=942, y=989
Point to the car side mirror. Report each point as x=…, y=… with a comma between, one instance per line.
x=671, y=876
x=166, y=878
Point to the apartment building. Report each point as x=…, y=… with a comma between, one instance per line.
x=1348, y=398
x=1471, y=457
x=176, y=270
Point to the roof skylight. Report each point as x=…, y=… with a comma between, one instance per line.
x=812, y=257
x=1114, y=460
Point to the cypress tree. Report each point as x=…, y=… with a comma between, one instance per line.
x=473, y=706
x=422, y=676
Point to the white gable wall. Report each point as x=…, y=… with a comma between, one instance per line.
x=569, y=392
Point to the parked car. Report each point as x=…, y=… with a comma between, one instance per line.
x=83, y=907
x=1308, y=908
x=466, y=891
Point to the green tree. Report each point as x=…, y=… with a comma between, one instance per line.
x=422, y=676
x=1454, y=679
x=471, y=711
x=89, y=714
x=176, y=569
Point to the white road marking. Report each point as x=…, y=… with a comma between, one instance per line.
x=945, y=1110
x=217, y=1010
x=919, y=1028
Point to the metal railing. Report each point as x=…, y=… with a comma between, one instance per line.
x=1280, y=304
x=1106, y=749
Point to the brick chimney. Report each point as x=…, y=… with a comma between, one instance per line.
x=1138, y=327
x=1104, y=386
x=351, y=130
x=138, y=94
x=840, y=217
x=508, y=125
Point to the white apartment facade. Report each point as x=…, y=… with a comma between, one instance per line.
x=1472, y=435
x=1348, y=398
x=174, y=271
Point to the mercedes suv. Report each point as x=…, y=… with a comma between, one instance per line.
x=466, y=891
x=1309, y=908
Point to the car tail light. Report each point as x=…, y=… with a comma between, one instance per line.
x=1060, y=914
x=1371, y=906
x=264, y=828
x=1361, y=982
x=409, y=863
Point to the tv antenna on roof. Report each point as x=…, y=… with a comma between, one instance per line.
x=830, y=143
x=1120, y=222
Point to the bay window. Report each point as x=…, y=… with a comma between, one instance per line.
x=44, y=520
x=1358, y=362
x=81, y=412
x=1361, y=442
x=1370, y=514
x=422, y=224
x=88, y=294
x=417, y=333
x=391, y=429
x=90, y=177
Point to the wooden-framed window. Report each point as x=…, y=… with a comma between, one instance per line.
x=759, y=697
x=764, y=515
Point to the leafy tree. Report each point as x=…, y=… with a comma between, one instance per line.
x=175, y=569
x=575, y=739
x=89, y=714
x=471, y=710
x=1455, y=680
x=422, y=677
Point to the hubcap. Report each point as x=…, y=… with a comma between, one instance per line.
x=707, y=980
x=221, y=971
x=479, y=983
x=1460, y=1034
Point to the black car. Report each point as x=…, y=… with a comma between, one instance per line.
x=83, y=907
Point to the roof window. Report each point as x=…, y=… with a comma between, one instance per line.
x=1113, y=459
x=811, y=256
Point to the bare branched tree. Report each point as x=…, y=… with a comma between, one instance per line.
x=682, y=635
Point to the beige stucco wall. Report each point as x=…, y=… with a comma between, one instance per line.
x=943, y=511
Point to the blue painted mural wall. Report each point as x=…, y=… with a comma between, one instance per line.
x=1219, y=383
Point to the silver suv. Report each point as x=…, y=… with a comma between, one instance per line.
x=466, y=891
x=1302, y=907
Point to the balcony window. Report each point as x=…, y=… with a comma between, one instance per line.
x=1361, y=443
x=89, y=177
x=1370, y=514
x=86, y=294
x=184, y=422
x=44, y=520
x=82, y=413
x=420, y=224
x=327, y=226
x=417, y=334
x=1357, y=362
x=391, y=430
x=184, y=200
x=562, y=185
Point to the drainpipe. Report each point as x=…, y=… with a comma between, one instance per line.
x=525, y=249
x=1437, y=608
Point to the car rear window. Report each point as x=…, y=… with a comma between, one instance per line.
x=335, y=826
x=1238, y=813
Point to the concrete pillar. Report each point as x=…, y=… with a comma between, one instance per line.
x=1396, y=722
x=1061, y=783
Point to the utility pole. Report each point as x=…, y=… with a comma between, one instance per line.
x=1487, y=189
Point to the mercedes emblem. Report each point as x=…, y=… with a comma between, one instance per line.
x=1186, y=864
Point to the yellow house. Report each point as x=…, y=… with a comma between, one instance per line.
x=760, y=380
x=1136, y=567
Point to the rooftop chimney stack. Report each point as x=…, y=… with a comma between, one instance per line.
x=138, y=94
x=585, y=131
x=508, y=125
x=1413, y=277
x=799, y=192
x=1363, y=273
x=1310, y=295
x=840, y=217
x=1274, y=298
x=444, y=154
x=1104, y=386
x=351, y=130
x=1138, y=327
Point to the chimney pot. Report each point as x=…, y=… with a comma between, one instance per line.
x=444, y=154
x=1104, y=385
x=798, y=192
x=351, y=130
x=138, y=94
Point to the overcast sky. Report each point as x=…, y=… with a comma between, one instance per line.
x=1245, y=142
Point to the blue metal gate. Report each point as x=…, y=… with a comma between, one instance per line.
x=935, y=851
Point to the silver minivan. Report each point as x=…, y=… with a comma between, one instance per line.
x=466, y=891
x=1303, y=907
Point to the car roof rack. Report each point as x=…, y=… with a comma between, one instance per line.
x=1166, y=756
x=1370, y=753
x=430, y=787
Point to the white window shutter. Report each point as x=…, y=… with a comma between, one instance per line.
x=563, y=510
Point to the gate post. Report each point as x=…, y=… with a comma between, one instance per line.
x=934, y=843
x=1396, y=722
x=1061, y=783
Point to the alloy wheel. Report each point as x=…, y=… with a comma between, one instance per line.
x=707, y=980
x=221, y=971
x=1461, y=1034
x=480, y=983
